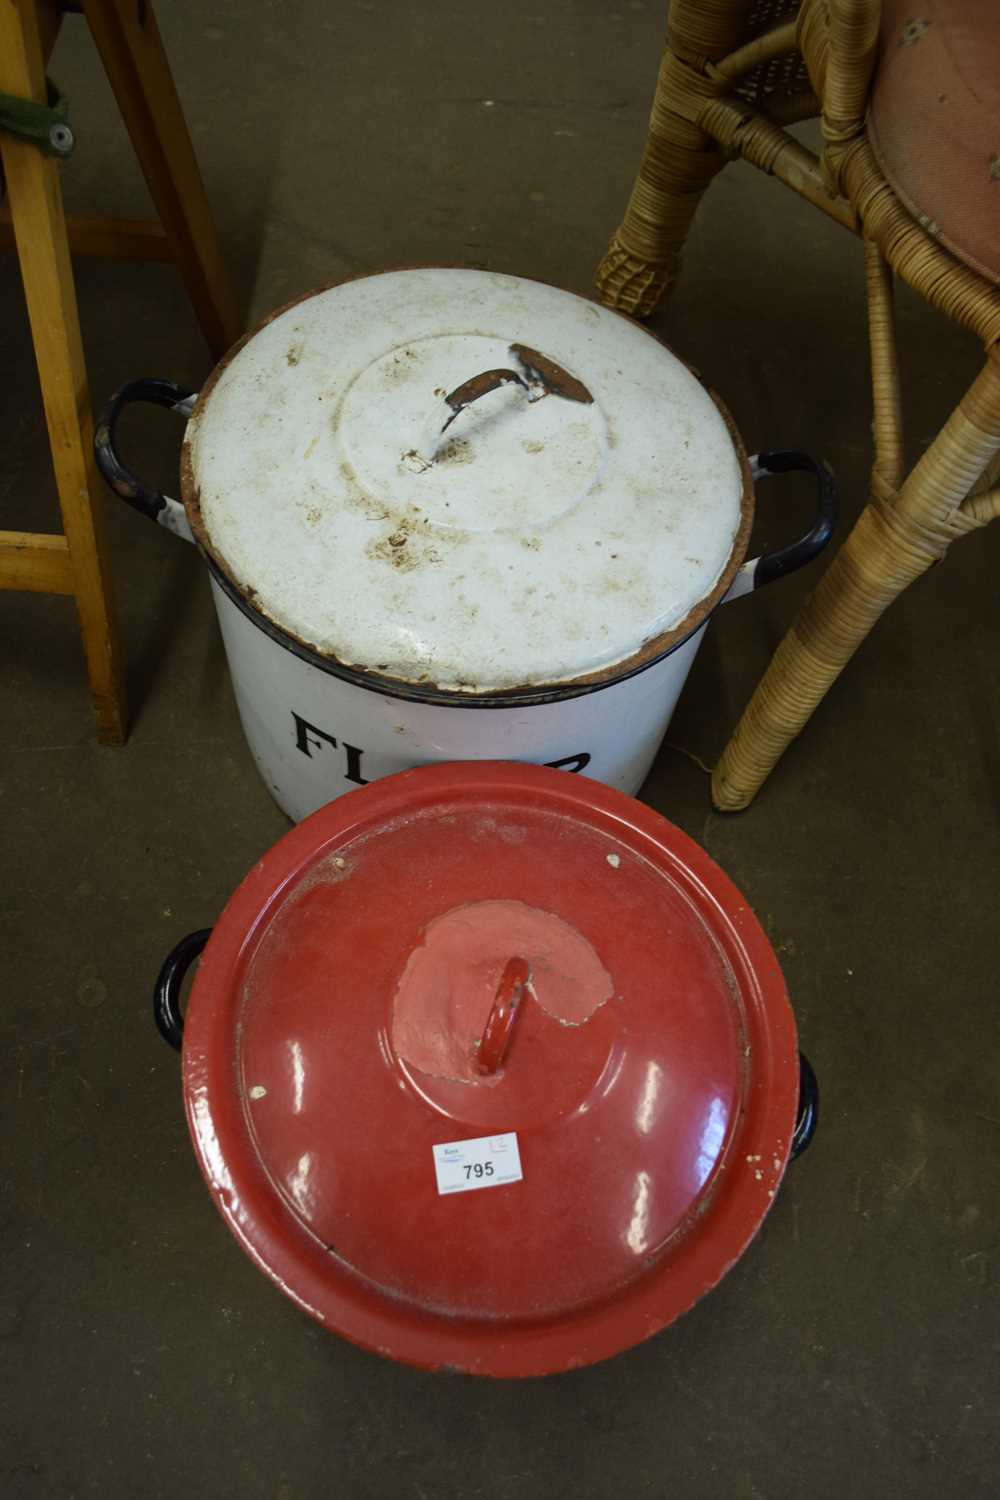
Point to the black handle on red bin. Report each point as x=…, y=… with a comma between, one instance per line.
x=807, y=1116
x=170, y=981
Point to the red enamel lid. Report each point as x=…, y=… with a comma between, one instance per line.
x=490, y=1067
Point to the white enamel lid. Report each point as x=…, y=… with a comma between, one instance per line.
x=586, y=504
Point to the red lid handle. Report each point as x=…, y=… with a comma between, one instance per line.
x=496, y=1036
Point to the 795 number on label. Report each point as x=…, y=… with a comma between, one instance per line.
x=488, y=1161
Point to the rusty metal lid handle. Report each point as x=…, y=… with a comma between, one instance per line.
x=541, y=377
x=496, y=1036
x=480, y=385
x=553, y=379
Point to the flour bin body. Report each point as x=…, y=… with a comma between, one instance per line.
x=452, y=515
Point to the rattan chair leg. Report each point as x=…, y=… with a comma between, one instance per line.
x=887, y=399
x=678, y=164
x=895, y=540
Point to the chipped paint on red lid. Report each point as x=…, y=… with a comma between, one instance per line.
x=646, y=1053
x=448, y=987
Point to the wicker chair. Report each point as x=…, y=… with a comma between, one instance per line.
x=910, y=163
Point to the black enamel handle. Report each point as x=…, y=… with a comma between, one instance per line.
x=807, y=1116
x=776, y=564
x=169, y=982
x=149, y=502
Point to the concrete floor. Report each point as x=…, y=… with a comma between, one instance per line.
x=853, y=1351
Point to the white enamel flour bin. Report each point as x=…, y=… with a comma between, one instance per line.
x=452, y=515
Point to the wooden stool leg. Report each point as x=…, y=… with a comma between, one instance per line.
x=128, y=40
x=894, y=541
x=40, y=228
